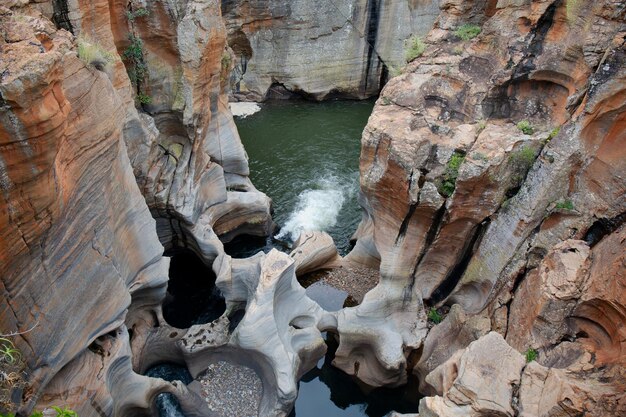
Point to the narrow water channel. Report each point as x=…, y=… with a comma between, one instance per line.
x=305, y=156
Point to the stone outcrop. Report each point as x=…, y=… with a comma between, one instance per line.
x=322, y=49
x=476, y=381
x=78, y=239
x=460, y=202
x=106, y=125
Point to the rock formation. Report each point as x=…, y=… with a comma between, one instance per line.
x=492, y=181
x=492, y=185
x=97, y=108
x=322, y=49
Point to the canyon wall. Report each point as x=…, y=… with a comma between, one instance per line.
x=493, y=180
x=322, y=49
x=492, y=183
x=116, y=142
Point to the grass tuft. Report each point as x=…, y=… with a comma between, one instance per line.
x=531, y=355
x=525, y=127
x=414, y=47
x=448, y=180
x=434, y=316
x=467, y=31
x=91, y=53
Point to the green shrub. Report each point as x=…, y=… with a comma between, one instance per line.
x=93, y=54
x=144, y=98
x=64, y=412
x=564, y=205
x=467, y=31
x=414, y=48
x=525, y=157
x=522, y=160
x=525, y=127
x=435, y=316
x=531, y=355
x=133, y=55
x=448, y=180
x=141, y=12
x=553, y=134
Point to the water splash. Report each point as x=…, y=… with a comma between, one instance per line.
x=318, y=207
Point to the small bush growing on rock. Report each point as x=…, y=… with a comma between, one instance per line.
x=133, y=55
x=531, y=355
x=415, y=47
x=521, y=161
x=64, y=412
x=141, y=12
x=11, y=373
x=435, y=316
x=564, y=205
x=553, y=134
x=524, y=158
x=467, y=31
x=525, y=127
x=93, y=54
x=144, y=98
x=448, y=181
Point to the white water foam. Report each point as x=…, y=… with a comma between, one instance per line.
x=317, y=208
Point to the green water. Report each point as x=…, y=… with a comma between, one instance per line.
x=305, y=156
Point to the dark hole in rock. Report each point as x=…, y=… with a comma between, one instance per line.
x=193, y=296
x=167, y=404
x=245, y=246
x=235, y=319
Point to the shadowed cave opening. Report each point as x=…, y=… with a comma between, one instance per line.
x=192, y=297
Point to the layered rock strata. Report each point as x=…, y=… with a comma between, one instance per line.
x=100, y=103
x=321, y=49
x=478, y=162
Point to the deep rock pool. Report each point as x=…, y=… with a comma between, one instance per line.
x=305, y=156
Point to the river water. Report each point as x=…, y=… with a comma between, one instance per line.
x=305, y=156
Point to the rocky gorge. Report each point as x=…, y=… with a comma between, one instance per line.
x=492, y=187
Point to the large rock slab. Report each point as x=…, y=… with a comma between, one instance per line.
x=476, y=381
x=320, y=50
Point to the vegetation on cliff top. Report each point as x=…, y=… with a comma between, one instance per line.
x=467, y=31
x=414, y=47
x=448, y=179
x=91, y=53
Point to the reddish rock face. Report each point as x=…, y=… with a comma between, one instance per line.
x=462, y=204
x=78, y=240
x=80, y=245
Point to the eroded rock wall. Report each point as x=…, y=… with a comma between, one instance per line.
x=320, y=49
x=113, y=115
x=462, y=203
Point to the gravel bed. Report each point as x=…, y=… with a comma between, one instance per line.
x=231, y=390
x=355, y=280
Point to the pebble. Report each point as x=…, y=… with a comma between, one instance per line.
x=231, y=390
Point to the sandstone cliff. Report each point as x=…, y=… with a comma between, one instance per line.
x=321, y=49
x=113, y=115
x=465, y=205
x=492, y=183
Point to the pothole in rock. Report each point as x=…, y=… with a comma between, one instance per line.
x=192, y=297
x=231, y=390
